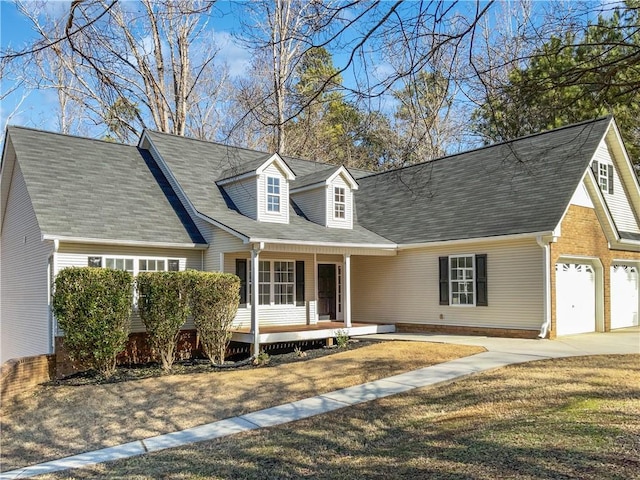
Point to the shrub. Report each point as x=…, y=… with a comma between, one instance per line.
x=93, y=307
x=164, y=306
x=214, y=302
x=342, y=338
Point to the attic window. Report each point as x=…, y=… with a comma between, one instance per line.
x=339, y=202
x=273, y=194
x=604, y=175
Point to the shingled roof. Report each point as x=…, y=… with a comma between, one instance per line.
x=522, y=186
x=196, y=165
x=92, y=189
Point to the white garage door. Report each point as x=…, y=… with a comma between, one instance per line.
x=624, y=296
x=575, y=298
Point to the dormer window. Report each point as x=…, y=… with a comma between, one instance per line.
x=339, y=202
x=273, y=194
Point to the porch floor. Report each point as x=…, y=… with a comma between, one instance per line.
x=321, y=330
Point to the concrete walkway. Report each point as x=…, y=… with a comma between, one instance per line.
x=500, y=352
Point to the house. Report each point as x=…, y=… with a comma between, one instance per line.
x=539, y=236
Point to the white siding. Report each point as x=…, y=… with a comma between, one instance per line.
x=581, y=197
x=313, y=204
x=243, y=194
x=264, y=216
x=405, y=289
x=76, y=255
x=278, y=314
x=220, y=242
x=24, y=305
x=618, y=202
x=347, y=221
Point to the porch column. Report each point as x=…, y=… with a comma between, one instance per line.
x=347, y=290
x=255, y=327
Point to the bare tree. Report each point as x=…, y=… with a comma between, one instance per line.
x=156, y=61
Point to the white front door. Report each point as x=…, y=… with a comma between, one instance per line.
x=575, y=299
x=624, y=296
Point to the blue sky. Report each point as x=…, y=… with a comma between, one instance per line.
x=34, y=110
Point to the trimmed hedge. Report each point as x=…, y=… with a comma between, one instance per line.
x=93, y=307
x=215, y=298
x=163, y=304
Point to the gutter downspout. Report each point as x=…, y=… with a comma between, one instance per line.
x=546, y=276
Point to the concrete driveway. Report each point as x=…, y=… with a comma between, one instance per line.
x=622, y=341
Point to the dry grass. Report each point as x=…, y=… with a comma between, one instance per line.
x=65, y=420
x=554, y=419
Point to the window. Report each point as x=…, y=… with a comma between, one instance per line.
x=95, y=262
x=339, y=202
x=463, y=280
x=125, y=264
x=151, y=265
x=283, y=283
x=273, y=194
x=604, y=176
x=135, y=265
x=264, y=283
x=277, y=283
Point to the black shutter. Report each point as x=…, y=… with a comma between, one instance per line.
x=444, y=280
x=596, y=172
x=610, y=178
x=299, y=283
x=482, y=299
x=241, y=271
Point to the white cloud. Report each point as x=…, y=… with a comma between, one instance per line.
x=237, y=57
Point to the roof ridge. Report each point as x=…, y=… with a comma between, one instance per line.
x=497, y=144
x=68, y=135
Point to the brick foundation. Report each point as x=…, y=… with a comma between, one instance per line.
x=460, y=330
x=22, y=374
x=138, y=351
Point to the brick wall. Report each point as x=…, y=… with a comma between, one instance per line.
x=137, y=351
x=462, y=330
x=22, y=374
x=582, y=235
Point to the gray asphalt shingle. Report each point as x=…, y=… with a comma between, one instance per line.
x=88, y=188
x=522, y=186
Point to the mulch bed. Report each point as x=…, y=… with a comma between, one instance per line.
x=280, y=356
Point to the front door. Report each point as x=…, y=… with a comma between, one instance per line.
x=326, y=291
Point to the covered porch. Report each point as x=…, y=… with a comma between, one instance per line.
x=297, y=333
x=303, y=292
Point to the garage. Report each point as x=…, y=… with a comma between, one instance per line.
x=575, y=298
x=625, y=284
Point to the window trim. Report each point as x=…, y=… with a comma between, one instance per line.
x=339, y=203
x=276, y=197
x=272, y=284
x=465, y=280
x=136, y=262
x=480, y=280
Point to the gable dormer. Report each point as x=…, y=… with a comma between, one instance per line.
x=326, y=197
x=260, y=189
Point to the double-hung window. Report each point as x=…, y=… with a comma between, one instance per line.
x=273, y=194
x=463, y=280
x=339, y=202
x=604, y=175
x=125, y=264
x=264, y=283
x=283, y=283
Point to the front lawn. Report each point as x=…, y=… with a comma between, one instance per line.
x=574, y=418
x=58, y=421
